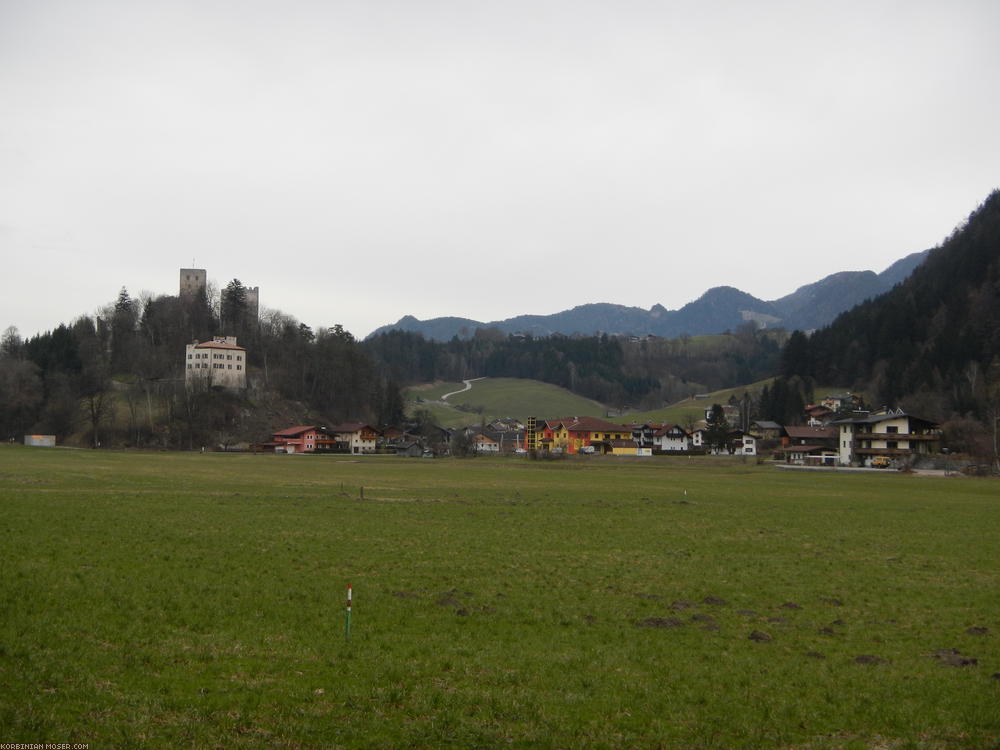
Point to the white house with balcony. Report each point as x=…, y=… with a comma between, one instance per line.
x=892, y=433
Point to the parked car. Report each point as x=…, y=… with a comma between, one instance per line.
x=881, y=462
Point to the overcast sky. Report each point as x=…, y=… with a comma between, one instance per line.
x=359, y=161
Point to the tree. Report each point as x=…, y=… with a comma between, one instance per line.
x=234, y=312
x=20, y=396
x=11, y=345
x=94, y=381
x=124, y=324
x=717, y=429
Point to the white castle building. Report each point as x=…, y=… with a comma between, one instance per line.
x=219, y=362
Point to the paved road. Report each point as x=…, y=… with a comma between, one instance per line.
x=468, y=387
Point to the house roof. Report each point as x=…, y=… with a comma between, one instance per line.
x=764, y=424
x=295, y=431
x=586, y=424
x=218, y=345
x=883, y=417
x=350, y=427
x=668, y=428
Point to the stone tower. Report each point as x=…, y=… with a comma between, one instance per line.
x=192, y=280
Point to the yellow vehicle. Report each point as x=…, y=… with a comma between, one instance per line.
x=881, y=462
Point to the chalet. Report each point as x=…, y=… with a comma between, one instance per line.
x=839, y=402
x=354, y=437
x=671, y=438
x=818, y=415
x=766, y=430
x=892, y=433
x=644, y=434
x=411, y=449
x=301, y=439
x=741, y=443
x=486, y=445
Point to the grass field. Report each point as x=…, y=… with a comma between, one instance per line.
x=499, y=397
x=184, y=600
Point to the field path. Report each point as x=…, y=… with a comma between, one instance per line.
x=468, y=387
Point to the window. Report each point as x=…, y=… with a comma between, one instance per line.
x=239, y=367
x=893, y=429
x=891, y=444
x=189, y=367
x=229, y=356
x=189, y=356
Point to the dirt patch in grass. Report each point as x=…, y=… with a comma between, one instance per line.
x=977, y=631
x=869, y=659
x=759, y=636
x=833, y=602
x=950, y=657
x=660, y=622
x=716, y=601
x=681, y=604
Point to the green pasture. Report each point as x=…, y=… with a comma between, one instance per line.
x=187, y=600
x=490, y=398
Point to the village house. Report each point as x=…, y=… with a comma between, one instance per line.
x=354, y=437
x=742, y=443
x=219, y=362
x=671, y=438
x=581, y=435
x=809, y=445
x=817, y=415
x=891, y=435
x=764, y=429
x=485, y=445
x=300, y=439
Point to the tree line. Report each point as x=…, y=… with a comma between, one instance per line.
x=612, y=370
x=117, y=377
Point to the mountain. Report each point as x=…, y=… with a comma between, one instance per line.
x=719, y=309
x=933, y=339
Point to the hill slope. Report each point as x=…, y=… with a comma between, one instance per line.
x=937, y=333
x=490, y=398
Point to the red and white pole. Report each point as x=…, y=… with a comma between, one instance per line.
x=347, y=620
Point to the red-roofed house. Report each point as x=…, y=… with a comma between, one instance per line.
x=300, y=439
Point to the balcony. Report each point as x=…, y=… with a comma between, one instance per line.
x=896, y=436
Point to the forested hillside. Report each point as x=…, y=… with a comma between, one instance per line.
x=117, y=377
x=614, y=371
x=933, y=342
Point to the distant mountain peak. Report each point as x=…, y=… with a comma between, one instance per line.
x=718, y=309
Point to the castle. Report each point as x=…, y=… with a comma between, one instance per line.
x=193, y=280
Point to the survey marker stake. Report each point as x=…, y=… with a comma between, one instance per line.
x=347, y=616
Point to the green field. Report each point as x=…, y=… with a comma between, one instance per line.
x=186, y=600
x=499, y=397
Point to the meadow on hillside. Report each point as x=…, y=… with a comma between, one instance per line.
x=164, y=600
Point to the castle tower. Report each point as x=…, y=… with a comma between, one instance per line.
x=253, y=303
x=192, y=280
